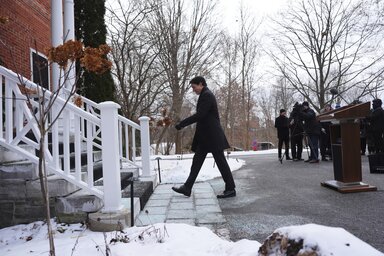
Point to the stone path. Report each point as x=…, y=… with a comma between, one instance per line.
x=200, y=209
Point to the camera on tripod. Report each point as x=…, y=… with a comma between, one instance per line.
x=298, y=107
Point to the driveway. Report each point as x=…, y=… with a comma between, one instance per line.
x=271, y=195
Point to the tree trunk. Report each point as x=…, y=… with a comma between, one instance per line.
x=45, y=192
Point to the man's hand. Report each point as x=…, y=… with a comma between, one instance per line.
x=178, y=127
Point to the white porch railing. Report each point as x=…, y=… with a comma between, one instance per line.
x=128, y=132
x=96, y=127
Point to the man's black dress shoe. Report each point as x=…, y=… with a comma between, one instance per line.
x=227, y=193
x=182, y=190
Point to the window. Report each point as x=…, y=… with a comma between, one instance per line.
x=40, y=69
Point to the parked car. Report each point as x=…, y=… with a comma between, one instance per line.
x=265, y=145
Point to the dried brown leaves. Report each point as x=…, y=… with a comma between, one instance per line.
x=92, y=59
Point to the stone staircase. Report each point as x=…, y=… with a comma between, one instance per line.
x=21, y=199
x=97, y=131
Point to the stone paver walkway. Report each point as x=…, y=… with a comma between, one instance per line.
x=200, y=209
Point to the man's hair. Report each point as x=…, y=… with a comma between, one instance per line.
x=198, y=80
x=377, y=102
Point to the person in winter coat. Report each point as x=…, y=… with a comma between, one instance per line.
x=296, y=129
x=209, y=138
x=325, y=136
x=282, y=126
x=376, y=126
x=312, y=129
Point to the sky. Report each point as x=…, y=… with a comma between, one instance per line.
x=258, y=9
x=173, y=239
x=229, y=9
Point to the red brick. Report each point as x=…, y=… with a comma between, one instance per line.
x=29, y=22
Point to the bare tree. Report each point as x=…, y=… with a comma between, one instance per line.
x=227, y=71
x=249, y=52
x=284, y=95
x=230, y=105
x=135, y=58
x=267, y=107
x=186, y=41
x=324, y=44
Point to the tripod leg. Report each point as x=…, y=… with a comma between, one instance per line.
x=306, y=144
x=282, y=156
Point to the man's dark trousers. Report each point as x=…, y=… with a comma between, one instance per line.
x=222, y=165
x=297, y=145
x=314, y=146
x=284, y=140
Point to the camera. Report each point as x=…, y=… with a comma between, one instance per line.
x=297, y=107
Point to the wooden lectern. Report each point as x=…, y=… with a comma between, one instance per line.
x=345, y=143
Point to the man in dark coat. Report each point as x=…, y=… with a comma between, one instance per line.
x=209, y=138
x=282, y=126
x=312, y=129
x=376, y=125
x=325, y=136
x=296, y=128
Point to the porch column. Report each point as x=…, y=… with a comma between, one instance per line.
x=69, y=34
x=57, y=37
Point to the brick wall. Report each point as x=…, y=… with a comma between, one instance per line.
x=28, y=27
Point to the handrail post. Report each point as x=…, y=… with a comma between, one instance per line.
x=110, y=154
x=145, y=153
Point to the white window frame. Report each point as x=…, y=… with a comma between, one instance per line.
x=32, y=51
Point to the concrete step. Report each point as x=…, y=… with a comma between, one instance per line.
x=8, y=156
x=75, y=207
x=141, y=189
x=24, y=170
x=82, y=206
x=106, y=222
x=57, y=187
x=22, y=189
x=125, y=178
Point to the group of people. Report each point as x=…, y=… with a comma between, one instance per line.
x=302, y=126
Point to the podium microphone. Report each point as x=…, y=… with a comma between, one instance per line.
x=334, y=91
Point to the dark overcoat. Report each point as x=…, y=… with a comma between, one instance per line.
x=209, y=135
x=282, y=125
x=311, y=124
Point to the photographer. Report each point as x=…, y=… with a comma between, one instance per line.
x=296, y=129
x=312, y=128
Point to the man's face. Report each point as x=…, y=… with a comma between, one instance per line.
x=197, y=88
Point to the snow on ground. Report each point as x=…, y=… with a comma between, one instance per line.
x=168, y=240
x=175, y=168
x=172, y=239
x=328, y=241
x=160, y=240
